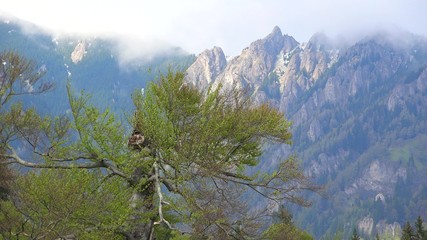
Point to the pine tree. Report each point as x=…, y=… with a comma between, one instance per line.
x=377, y=237
x=407, y=232
x=420, y=234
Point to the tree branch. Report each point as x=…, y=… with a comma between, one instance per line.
x=160, y=196
x=110, y=165
x=231, y=152
x=283, y=188
x=103, y=163
x=16, y=159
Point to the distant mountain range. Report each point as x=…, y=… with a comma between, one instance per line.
x=359, y=114
x=359, y=111
x=90, y=64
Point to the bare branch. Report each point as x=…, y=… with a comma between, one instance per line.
x=160, y=196
x=110, y=165
x=274, y=184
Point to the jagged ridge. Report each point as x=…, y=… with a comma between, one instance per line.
x=353, y=108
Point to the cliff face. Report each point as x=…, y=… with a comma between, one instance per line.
x=254, y=64
x=359, y=116
x=208, y=65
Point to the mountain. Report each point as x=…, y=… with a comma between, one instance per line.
x=359, y=114
x=92, y=64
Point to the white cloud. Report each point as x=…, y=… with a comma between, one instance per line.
x=231, y=24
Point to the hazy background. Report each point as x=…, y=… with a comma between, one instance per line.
x=196, y=25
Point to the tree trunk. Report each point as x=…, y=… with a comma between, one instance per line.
x=142, y=203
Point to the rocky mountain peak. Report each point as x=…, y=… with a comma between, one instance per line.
x=275, y=37
x=289, y=43
x=267, y=66
x=272, y=44
x=252, y=67
x=208, y=65
x=276, y=31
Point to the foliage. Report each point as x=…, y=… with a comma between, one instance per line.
x=18, y=76
x=416, y=233
x=6, y=176
x=191, y=169
x=419, y=228
x=205, y=144
x=55, y=204
x=284, y=228
x=286, y=231
x=407, y=232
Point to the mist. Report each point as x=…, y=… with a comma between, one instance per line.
x=233, y=25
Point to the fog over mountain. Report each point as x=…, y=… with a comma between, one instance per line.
x=198, y=25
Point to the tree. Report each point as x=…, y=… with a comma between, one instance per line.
x=420, y=234
x=18, y=76
x=407, y=232
x=187, y=161
x=284, y=228
x=65, y=204
x=204, y=144
x=285, y=231
x=6, y=176
x=355, y=235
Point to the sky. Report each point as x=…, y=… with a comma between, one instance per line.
x=196, y=25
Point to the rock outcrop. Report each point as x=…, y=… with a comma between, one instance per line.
x=366, y=225
x=388, y=230
x=79, y=52
x=208, y=65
